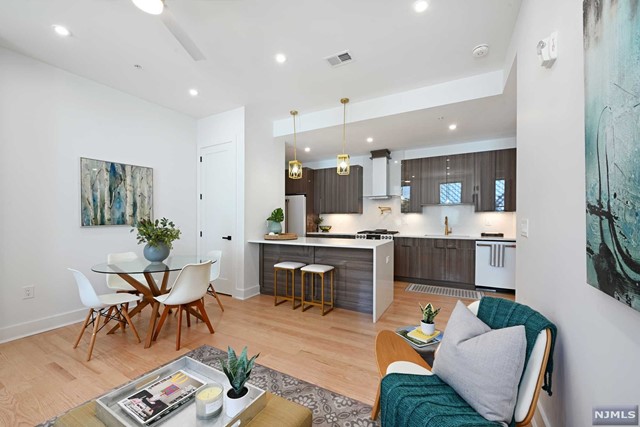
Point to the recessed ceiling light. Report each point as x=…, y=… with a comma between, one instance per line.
x=369, y=139
x=395, y=161
x=420, y=6
x=281, y=58
x=61, y=31
x=152, y=7
x=453, y=126
x=307, y=149
x=193, y=92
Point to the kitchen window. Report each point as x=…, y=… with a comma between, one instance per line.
x=451, y=193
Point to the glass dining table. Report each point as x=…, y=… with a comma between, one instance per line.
x=128, y=269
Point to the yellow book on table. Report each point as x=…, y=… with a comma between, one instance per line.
x=420, y=336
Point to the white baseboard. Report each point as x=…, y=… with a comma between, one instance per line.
x=33, y=327
x=251, y=292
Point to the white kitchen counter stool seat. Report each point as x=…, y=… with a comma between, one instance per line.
x=102, y=306
x=287, y=267
x=320, y=270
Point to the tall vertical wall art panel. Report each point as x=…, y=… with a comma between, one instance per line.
x=114, y=193
x=612, y=146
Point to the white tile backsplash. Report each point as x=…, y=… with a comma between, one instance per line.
x=462, y=219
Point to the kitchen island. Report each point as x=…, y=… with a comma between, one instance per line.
x=363, y=269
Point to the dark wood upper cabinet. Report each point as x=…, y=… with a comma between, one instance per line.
x=432, y=175
x=303, y=185
x=411, y=184
x=335, y=193
x=495, y=181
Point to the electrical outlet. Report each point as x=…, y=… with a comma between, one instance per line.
x=28, y=292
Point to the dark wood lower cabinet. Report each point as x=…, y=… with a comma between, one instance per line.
x=435, y=261
x=353, y=272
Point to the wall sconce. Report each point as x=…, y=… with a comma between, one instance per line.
x=384, y=209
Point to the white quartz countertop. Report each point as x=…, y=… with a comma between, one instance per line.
x=329, y=243
x=456, y=236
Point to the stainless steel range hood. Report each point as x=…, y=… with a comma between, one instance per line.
x=380, y=174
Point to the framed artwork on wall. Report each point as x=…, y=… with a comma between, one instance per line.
x=114, y=193
x=612, y=147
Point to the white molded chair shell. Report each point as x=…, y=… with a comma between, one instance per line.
x=190, y=285
x=88, y=295
x=118, y=283
x=216, y=258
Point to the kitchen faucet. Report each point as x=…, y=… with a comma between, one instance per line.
x=447, y=229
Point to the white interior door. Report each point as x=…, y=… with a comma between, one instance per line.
x=218, y=209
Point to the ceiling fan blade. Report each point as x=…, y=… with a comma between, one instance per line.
x=180, y=35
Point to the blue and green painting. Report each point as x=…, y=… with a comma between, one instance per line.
x=612, y=146
x=115, y=193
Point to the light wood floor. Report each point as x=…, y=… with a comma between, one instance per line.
x=42, y=376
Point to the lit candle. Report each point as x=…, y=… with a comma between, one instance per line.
x=209, y=401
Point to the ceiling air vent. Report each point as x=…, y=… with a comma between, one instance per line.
x=339, y=59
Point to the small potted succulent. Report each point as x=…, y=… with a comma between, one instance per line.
x=274, y=221
x=158, y=236
x=428, y=316
x=237, y=369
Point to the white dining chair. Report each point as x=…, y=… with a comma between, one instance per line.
x=102, y=306
x=188, y=291
x=216, y=258
x=116, y=282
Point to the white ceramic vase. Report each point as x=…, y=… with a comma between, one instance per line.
x=233, y=407
x=427, y=328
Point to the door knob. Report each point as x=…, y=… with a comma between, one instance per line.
x=226, y=238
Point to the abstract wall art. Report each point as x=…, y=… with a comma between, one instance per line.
x=114, y=193
x=612, y=146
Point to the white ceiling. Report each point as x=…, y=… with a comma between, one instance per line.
x=395, y=49
x=476, y=120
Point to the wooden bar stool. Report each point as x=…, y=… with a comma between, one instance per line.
x=320, y=270
x=288, y=267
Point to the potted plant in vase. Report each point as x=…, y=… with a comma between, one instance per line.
x=428, y=316
x=237, y=370
x=158, y=236
x=274, y=221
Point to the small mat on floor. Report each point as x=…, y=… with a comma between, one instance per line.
x=444, y=291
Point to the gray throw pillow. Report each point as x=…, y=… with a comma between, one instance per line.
x=481, y=364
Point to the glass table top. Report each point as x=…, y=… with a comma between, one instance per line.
x=141, y=265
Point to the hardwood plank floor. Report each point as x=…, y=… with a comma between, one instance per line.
x=42, y=376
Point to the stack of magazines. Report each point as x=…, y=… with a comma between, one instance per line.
x=415, y=336
x=161, y=397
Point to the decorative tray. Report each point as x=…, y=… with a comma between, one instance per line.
x=112, y=415
x=281, y=236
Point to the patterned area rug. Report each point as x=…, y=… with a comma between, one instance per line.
x=329, y=409
x=444, y=291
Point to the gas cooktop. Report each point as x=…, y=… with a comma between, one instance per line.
x=378, y=231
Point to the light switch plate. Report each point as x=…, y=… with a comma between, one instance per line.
x=524, y=228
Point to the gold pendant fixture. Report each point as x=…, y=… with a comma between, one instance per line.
x=343, y=159
x=295, y=167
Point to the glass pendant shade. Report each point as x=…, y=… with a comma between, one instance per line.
x=295, y=169
x=343, y=164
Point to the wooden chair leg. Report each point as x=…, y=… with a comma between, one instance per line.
x=125, y=313
x=215, y=294
x=93, y=335
x=188, y=318
x=179, y=328
x=84, y=326
x=376, y=405
x=205, y=317
x=165, y=312
x=108, y=316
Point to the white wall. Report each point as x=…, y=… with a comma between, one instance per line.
x=50, y=118
x=598, y=345
x=462, y=219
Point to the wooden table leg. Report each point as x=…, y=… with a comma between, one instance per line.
x=142, y=304
x=152, y=324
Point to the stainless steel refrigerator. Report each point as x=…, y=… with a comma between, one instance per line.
x=295, y=215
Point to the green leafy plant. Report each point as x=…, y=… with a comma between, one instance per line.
x=318, y=220
x=237, y=370
x=428, y=313
x=277, y=215
x=157, y=232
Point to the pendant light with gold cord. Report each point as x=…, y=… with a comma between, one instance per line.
x=295, y=167
x=343, y=159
